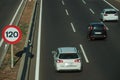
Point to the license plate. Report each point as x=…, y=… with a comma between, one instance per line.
x=98, y=33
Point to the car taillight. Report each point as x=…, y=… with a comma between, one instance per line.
x=91, y=27
x=104, y=28
x=59, y=61
x=77, y=60
x=105, y=14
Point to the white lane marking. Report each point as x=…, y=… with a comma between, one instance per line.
x=16, y=12
x=63, y=2
x=105, y=26
x=37, y=69
x=92, y=11
x=84, y=1
x=66, y=11
x=14, y=16
x=84, y=54
x=73, y=27
x=111, y=5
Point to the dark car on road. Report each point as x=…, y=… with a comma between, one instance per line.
x=97, y=30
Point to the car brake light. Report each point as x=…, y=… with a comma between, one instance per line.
x=77, y=60
x=59, y=61
x=105, y=14
x=91, y=27
x=104, y=28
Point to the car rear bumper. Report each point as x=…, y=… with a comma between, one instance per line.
x=69, y=68
x=110, y=18
x=98, y=36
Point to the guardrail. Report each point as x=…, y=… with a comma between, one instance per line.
x=26, y=56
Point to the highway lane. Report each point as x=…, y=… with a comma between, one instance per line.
x=110, y=48
x=80, y=16
x=57, y=31
x=7, y=10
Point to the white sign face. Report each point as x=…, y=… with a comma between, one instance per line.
x=11, y=34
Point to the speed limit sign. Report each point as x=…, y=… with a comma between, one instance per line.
x=11, y=34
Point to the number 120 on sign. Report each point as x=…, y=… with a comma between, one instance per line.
x=11, y=34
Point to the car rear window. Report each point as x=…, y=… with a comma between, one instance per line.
x=98, y=27
x=68, y=56
x=111, y=12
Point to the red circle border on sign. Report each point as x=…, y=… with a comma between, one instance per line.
x=11, y=26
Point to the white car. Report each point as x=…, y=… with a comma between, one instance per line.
x=67, y=59
x=109, y=14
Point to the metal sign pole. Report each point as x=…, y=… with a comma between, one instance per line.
x=12, y=57
x=16, y=34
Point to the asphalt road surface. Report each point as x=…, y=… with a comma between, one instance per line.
x=7, y=10
x=65, y=23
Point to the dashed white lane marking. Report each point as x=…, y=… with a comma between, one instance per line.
x=92, y=11
x=66, y=11
x=111, y=5
x=63, y=2
x=84, y=54
x=73, y=27
x=105, y=26
x=84, y=1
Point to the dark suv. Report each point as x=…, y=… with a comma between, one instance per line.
x=97, y=30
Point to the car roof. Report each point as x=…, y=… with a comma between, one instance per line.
x=96, y=23
x=67, y=50
x=109, y=9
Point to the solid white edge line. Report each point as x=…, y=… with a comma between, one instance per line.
x=14, y=16
x=66, y=11
x=37, y=69
x=73, y=27
x=84, y=54
x=92, y=11
x=84, y=1
x=63, y=2
x=16, y=13
x=111, y=5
